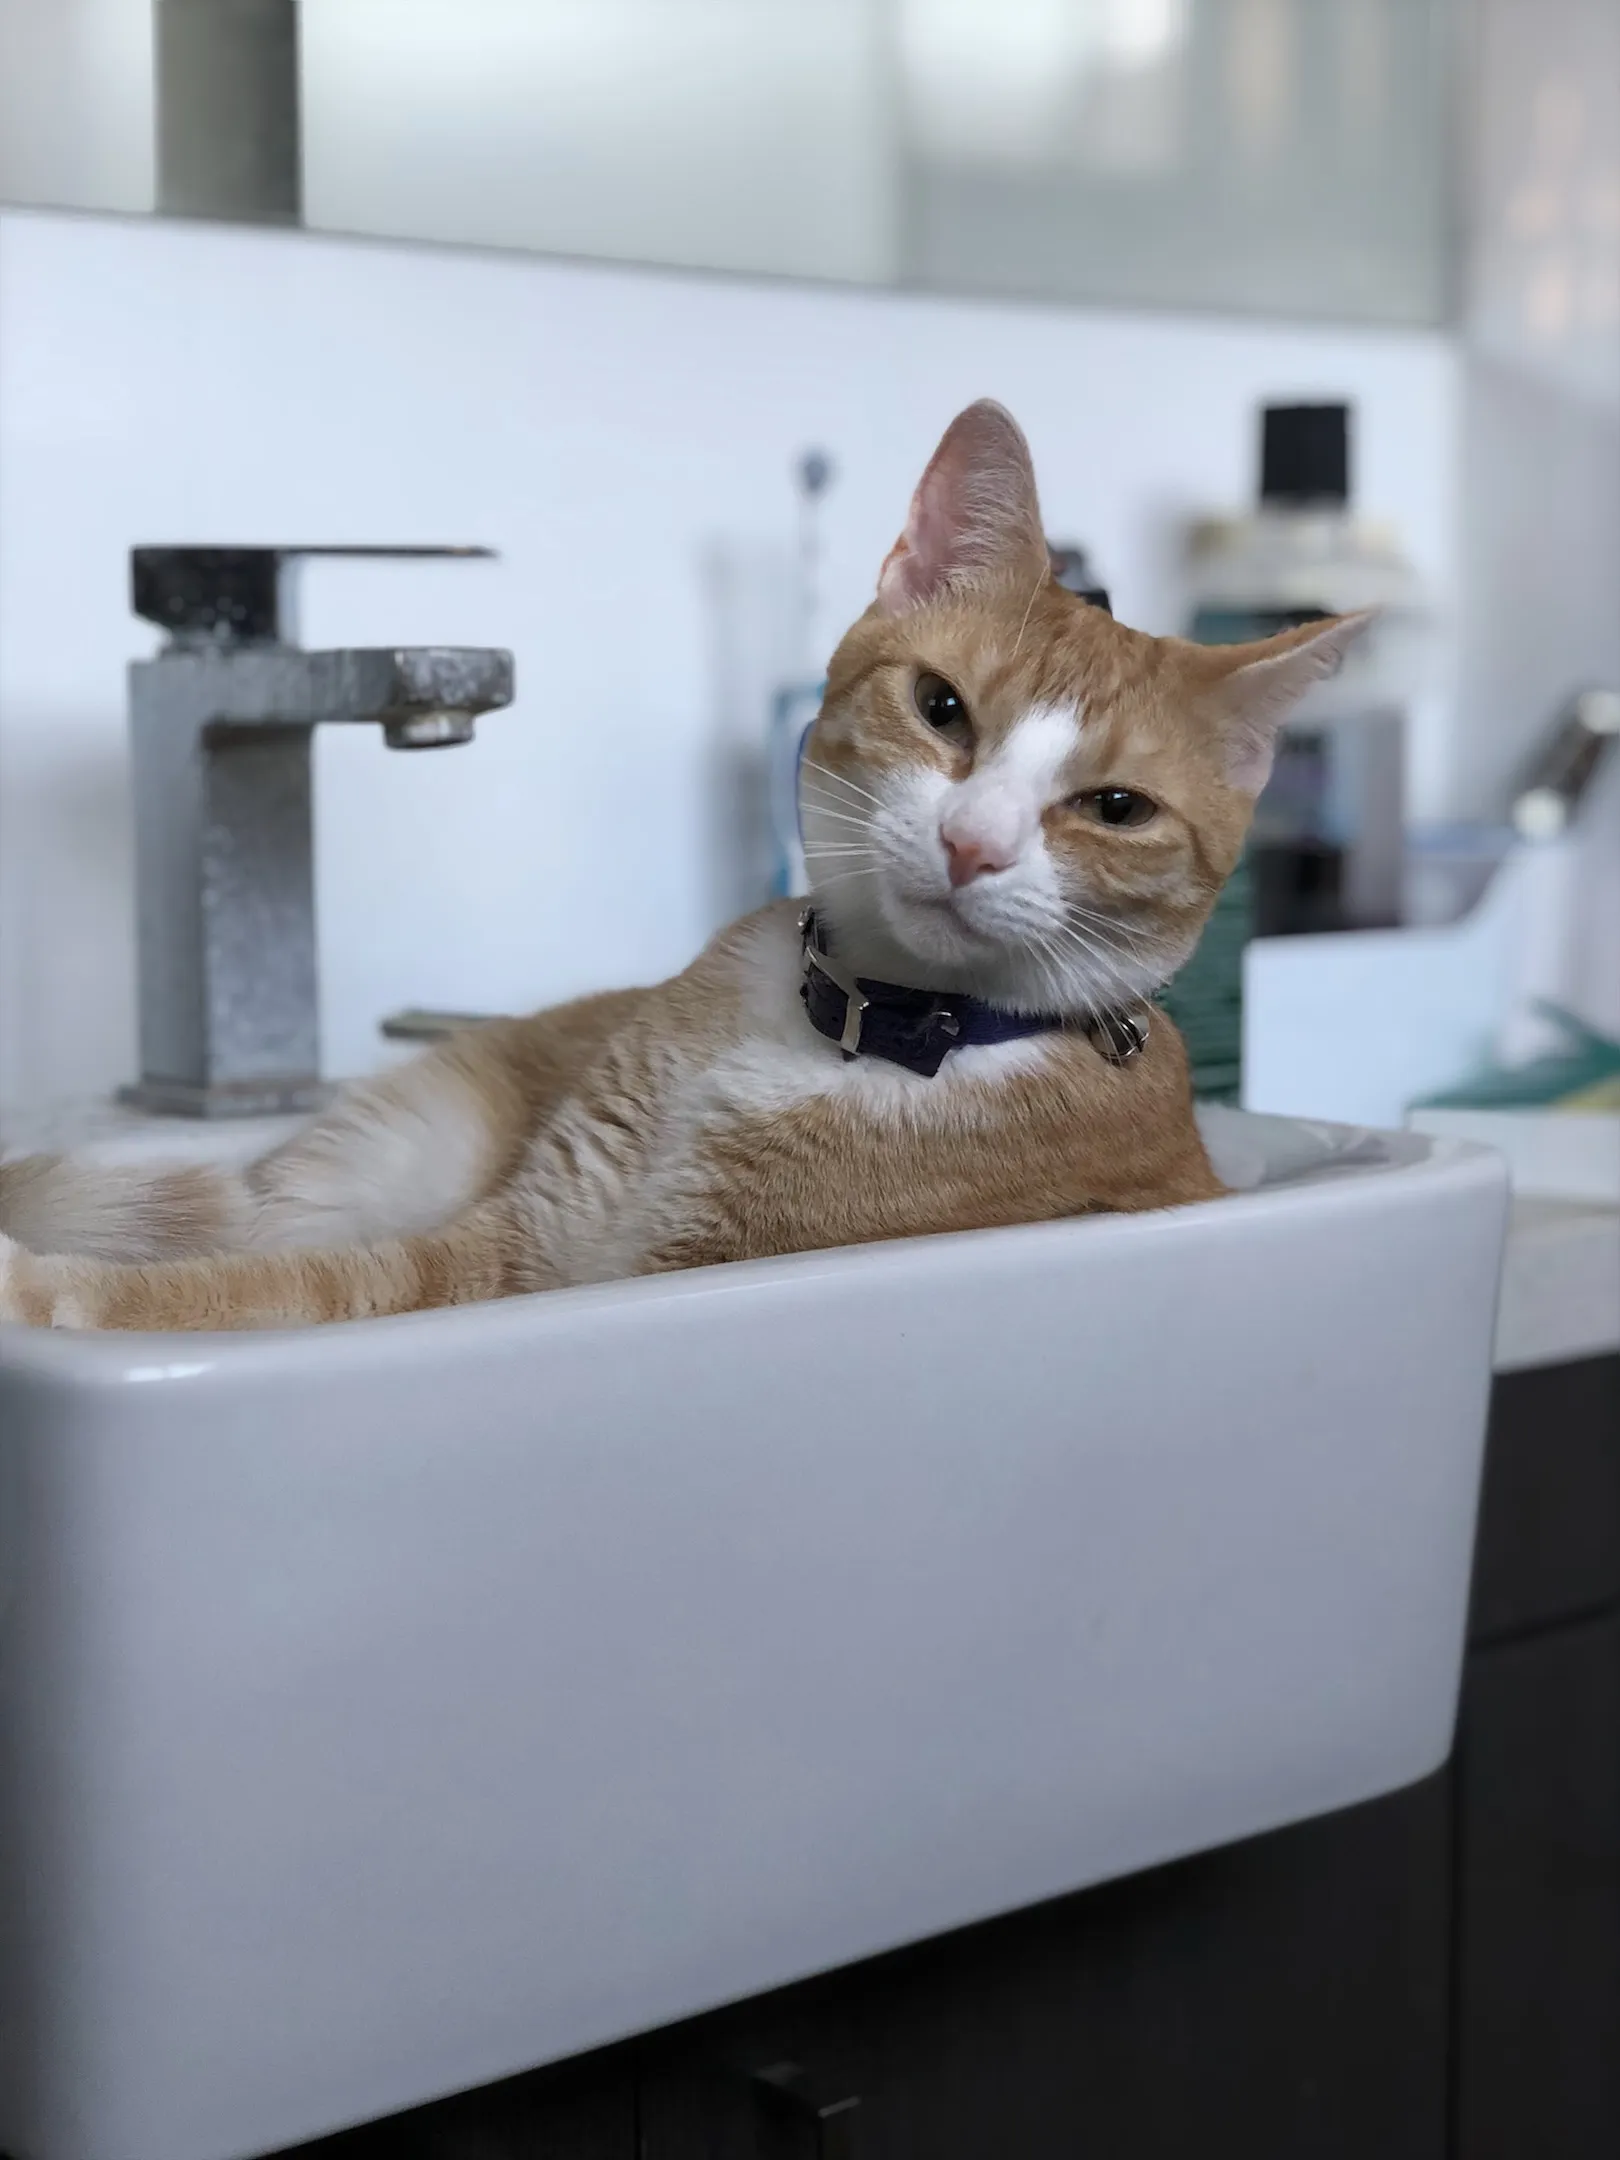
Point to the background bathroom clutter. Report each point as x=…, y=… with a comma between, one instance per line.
x=625, y=441
x=625, y=437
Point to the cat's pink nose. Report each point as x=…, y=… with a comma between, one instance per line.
x=967, y=859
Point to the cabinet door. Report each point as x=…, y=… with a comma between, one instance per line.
x=580, y=2111
x=1285, y=1997
x=1539, y=1981
x=1549, y=1525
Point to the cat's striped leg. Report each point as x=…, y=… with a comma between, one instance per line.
x=402, y=1153
x=475, y=1259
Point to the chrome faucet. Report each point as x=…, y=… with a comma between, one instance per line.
x=220, y=728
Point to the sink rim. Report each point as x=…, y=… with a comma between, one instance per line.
x=122, y=1358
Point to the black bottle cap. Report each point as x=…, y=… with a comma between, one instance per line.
x=1305, y=454
x=1071, y=566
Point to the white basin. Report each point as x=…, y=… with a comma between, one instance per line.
x=388, y=1708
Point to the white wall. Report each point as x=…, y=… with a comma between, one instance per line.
x=625, y=439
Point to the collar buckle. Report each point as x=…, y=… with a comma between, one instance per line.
x=856, y=1002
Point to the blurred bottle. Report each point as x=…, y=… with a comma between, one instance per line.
x=1327, y=848
x=1072, y=567
x=798, y=699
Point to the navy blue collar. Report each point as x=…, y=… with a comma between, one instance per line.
x=920, y=1028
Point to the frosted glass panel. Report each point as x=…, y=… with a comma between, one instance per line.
x=734, y=134
x=77, y=103
x=1284, y=155
x=1281, y=156
x=1277, y=155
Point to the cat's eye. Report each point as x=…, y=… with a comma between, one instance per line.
x=943, y=707
x=1116, y=806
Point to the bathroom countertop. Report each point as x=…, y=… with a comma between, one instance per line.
x=1560, y=1279
x=1560, y=1283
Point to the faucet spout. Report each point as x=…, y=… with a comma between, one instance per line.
x=221, y=723
x=421, y=696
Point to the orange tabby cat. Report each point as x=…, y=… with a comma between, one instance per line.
x=1018, y=814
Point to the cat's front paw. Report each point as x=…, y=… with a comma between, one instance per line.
x=33, y=1291
x=14, y=1264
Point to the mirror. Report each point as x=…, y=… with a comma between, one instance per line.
x=1287, y=156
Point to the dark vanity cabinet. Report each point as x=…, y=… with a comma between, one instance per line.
x=1162, y=2015
x=1432, y=1976
x=1538, y=1780
x=1283, y=1997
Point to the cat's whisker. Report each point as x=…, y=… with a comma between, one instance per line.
x=1035, y=593
x=827, y=773
x=1117, y=947
x=822, y=882
x=1110, y=929
x=829, y=810
x=1100, y=977
x=1135, y=955
x=1051, y=963
x=1102, y=957
x=1043, y=954
x=1097, y=932
x=1100, y=916
x=841, y=814
x=1115, y=979
x=816, y=814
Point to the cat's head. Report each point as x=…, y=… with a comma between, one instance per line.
x=1008, y=792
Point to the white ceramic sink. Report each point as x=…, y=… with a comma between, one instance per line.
x=388, y=1708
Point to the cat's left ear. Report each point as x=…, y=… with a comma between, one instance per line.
x=974, y=519
x=1260, y=684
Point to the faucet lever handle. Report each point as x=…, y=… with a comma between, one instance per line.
x=234, y=595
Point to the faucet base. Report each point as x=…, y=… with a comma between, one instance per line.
x=230, y=1099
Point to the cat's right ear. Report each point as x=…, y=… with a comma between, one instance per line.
x=1260, y=684
x=974, y=518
